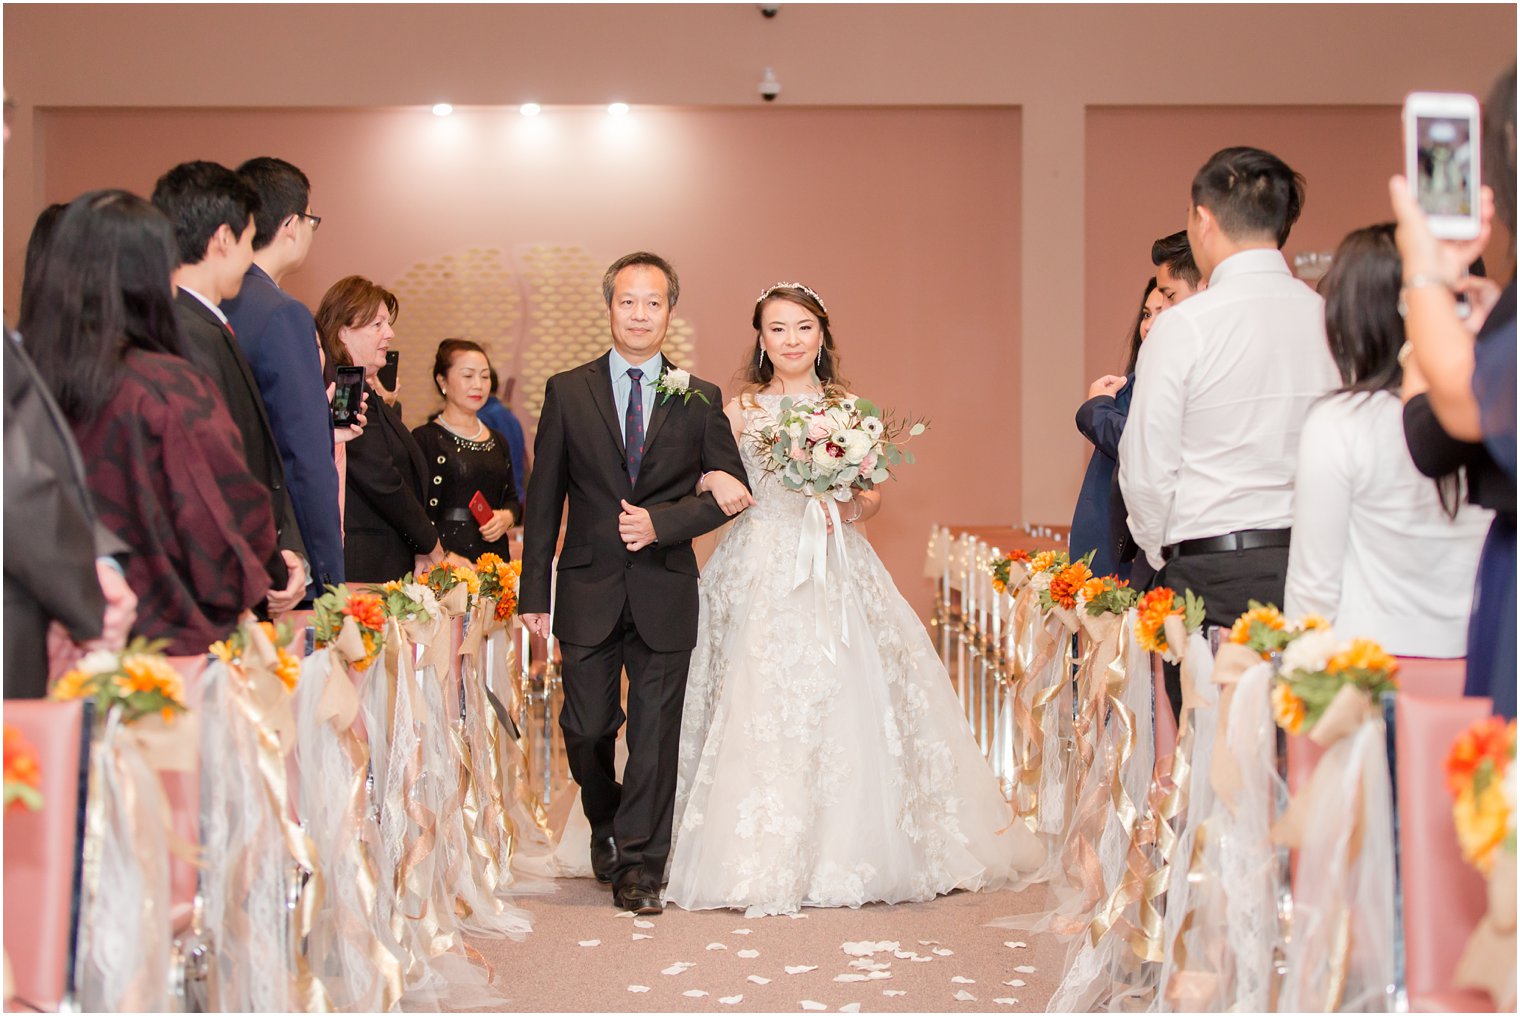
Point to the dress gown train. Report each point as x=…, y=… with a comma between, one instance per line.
x=806, y=781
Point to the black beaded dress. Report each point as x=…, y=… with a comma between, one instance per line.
x=457, y=468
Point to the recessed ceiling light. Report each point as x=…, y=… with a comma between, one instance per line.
x=618, y=109
x=442, y=109
x=530, y=109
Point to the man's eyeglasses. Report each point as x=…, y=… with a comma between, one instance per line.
x=316, y=220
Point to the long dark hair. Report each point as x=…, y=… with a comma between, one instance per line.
x=758, y=371
x=100, y=288
x=1134, y=332
x=1362, y=322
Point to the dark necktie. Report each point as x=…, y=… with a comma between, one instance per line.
x=633, y=424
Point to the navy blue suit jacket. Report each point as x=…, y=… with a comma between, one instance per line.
x=279, y=337
x=1099, y=522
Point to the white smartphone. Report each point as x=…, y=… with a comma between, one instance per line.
x=1442, y=153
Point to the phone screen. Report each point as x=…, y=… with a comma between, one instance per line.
x=1444, y=165
x=347, y=393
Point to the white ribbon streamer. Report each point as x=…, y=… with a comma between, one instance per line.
x=813, y=563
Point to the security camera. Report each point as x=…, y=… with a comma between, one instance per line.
x=769, y=10
x=769, y=87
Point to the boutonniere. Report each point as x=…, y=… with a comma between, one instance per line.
x=676, y=381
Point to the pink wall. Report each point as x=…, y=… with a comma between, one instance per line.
x=1140, y=165
x=1052, y=62
x=916, y=253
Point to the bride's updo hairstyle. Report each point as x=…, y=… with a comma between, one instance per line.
x=758, y=371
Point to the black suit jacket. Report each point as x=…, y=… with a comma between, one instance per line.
x=578, y=454
x=213, y=348
x=52, y=537
x=384, y=522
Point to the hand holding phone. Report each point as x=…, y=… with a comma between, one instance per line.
x=347, y=393
x=1442, y=159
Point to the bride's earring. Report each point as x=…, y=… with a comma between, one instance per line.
x=820, y=354
x=760, y=360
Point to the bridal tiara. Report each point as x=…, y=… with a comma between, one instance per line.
x=767, y=291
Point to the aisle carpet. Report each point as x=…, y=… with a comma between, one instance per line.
x=582, y=956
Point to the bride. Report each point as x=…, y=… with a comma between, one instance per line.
x=824, y=760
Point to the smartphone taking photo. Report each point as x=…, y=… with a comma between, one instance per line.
x=1441, y=161
x=387, y=375
x=348, y=394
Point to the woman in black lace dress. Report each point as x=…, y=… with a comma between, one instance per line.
x=465, y=456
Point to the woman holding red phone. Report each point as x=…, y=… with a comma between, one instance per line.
x=471, y=496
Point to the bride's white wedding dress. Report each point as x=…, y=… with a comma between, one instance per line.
x=811, y=781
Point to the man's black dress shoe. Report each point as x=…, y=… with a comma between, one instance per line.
x=638, y=899
x=603, y=859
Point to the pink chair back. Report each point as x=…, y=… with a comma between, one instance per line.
x=1166, y=726
x=1418, y=675
x=42, y=852
x=1444, y=897
x=184, y=793
x=1429, y=678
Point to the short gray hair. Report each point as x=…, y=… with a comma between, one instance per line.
x=642, y=257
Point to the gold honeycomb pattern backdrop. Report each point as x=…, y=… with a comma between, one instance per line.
x=469, y=295
x=539, y=315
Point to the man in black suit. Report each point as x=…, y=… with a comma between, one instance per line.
x=212, y=210
x=627, y=575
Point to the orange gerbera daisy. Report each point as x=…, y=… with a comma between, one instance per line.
x=1153, y=608
x=150, y=674
x=468, y=577
x=1019, y=555
x=488, y=562
x=1094, y=588
x=366, y=609
x=73, y=684
x=1043, y=561
x=1240, y=632
x=1065, y=583
x=1489, y=740
x=20, y=759
x=1288, y=709
x=1362, y=654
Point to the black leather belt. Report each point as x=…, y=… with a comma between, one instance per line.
x=457, y=515
x=1245, y=539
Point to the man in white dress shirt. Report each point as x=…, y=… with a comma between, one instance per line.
x=1222, y=387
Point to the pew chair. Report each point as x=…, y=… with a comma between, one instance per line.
x=44, y=855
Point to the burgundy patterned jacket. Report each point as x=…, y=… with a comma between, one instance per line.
x=165, y=465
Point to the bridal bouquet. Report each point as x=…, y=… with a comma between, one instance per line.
x=828, y=445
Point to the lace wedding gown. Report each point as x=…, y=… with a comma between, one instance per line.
x=806, y=780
